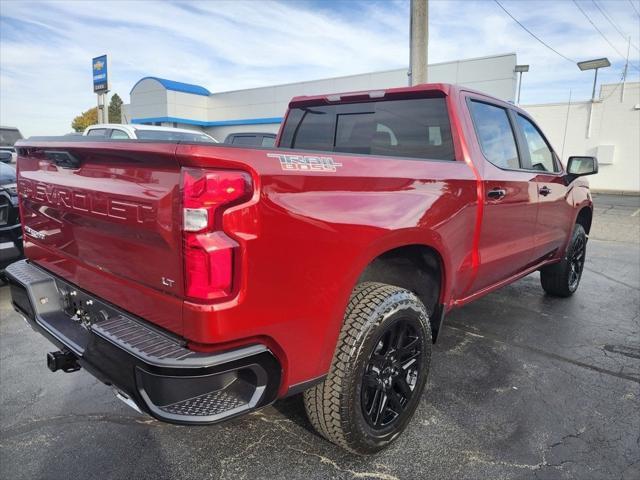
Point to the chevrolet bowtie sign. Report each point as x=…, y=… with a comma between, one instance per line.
x=100, y=79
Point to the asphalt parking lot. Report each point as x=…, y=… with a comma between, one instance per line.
x=522, y=386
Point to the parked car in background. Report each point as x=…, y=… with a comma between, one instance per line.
x=257, y=139
x=8, y=137
x=10, y=230
x=8, y=155
x=146, y=132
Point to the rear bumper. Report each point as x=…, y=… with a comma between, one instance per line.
x=146, y=365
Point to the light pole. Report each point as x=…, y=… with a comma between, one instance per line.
x=520, y=69
x=594, y=64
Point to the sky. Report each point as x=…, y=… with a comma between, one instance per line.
x=46, y=47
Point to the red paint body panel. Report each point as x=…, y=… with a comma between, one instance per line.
x=110, y=225
x=304, y=238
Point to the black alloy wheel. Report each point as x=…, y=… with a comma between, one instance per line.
x=391, y=374
x=576, y=262
x=563, y=278
x=378, y=372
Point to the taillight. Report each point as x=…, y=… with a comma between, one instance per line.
x=209, y=254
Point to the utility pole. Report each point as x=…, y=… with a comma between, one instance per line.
x=419, y=40
x=624, y=74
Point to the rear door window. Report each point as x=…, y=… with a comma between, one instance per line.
x=495, y=134
x=119, y=134
x=97, y=132
x=415, y=128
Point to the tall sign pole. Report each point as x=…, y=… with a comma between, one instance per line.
x=101, y=86
x=520, y=69
x=594, y=64
x=419, y=40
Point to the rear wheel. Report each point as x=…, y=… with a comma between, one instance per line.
x=378, y=372
x=562, y=279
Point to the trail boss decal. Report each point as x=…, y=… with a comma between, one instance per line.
x=306, y=163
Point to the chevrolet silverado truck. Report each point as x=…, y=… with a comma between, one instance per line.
x=203, y=281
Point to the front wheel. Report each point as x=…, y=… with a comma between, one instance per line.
x=562, y=279
x=378, y=371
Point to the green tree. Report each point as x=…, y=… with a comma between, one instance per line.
x=82, y=121
x=115, y=109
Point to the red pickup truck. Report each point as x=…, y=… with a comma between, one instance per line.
x=206, y=281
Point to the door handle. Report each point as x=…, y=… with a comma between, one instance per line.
x=544, y=191
x=497, y=193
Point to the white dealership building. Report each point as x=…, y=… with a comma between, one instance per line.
x=158, y=101
x=613, y=134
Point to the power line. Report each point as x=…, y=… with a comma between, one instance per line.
x=597, y=29
x=602, y=34
x=608, y=17
x=634, y=8
x=534, y=35
x=622, y=79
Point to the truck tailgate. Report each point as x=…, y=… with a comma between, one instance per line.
x=103, y=216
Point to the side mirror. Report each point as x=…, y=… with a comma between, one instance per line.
x=579, y=166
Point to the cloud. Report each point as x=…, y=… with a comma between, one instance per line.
x=46, y=47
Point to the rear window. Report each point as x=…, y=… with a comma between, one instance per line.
x=250, y=140
x=416, y=128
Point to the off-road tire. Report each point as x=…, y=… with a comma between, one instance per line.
x=334, y=406
x=556, y=279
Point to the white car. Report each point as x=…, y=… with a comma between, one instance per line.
x=146, y=132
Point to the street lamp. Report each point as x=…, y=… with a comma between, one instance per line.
x=520, y=69
x=594, y=64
